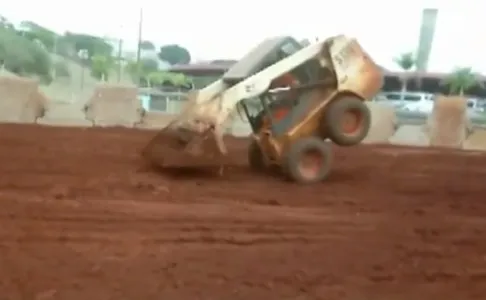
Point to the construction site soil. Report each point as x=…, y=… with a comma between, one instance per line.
x=82, y=218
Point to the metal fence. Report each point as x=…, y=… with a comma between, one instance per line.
x=170, y=102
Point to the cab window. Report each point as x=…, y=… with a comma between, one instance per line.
x=413, y=98
x=393, y=96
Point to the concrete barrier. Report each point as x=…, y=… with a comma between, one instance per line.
x=383, y=123
x=64, y=114
x=447, y=125
x=413, y=135
x=114, y=105
x=21, y=101
x=154, y=120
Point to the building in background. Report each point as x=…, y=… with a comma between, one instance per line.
x=205, y=72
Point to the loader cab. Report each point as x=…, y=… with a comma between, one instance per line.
x=269, y=52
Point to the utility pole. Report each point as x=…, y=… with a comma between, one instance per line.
x=56, y=56
x=426, y=38
x=83, y=54
x=119, y=58
x=140, y=26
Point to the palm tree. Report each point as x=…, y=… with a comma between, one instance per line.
x=406, y=61
x=461, y=80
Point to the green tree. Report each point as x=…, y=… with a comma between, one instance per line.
x=101, y=67
x=406, y=61
x=92, y=44
x=24, y=57
x=5, y=23
x=180, y=80
x=34, y=31
x=149, y=65
x=461, y=80
x=143, y=68
x=156, y=78
x=174, y=54
x=147, y=45
x=160, y=78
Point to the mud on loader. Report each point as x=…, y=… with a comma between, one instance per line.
x=295, y=99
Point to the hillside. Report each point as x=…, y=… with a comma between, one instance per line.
x=27, y=49
x=31, y=50
x=80, y=84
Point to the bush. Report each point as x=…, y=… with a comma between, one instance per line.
x=24, y=57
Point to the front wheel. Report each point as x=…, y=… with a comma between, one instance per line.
x=347, y=121
x=308, y=160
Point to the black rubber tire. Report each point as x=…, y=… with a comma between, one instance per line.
x=332, y=122
x=255, y=157
x=295, y=155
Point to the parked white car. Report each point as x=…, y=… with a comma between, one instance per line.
x=474, y=104
x=392, y=99
x=412, y=101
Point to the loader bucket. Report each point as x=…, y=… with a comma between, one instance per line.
x=184, y=147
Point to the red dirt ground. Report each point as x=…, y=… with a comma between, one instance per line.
x=81, y=219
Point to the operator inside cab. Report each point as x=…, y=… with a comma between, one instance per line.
x=286, y=80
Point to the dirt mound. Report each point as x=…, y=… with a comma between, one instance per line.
x=20, y=100
x=174, y=149
x=64, y=114
x=383, y=123
x=82, y=219
x=114, y=105
x=447, y=125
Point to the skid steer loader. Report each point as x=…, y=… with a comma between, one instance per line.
x=294, y=97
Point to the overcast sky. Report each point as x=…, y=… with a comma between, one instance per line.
x=227, y=29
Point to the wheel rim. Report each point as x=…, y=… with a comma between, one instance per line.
x=351, y=122
x=310, y=164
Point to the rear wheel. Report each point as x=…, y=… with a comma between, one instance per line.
x=347, y=121
x=308, y=160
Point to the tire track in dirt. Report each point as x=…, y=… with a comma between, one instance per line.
x=174, y=224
